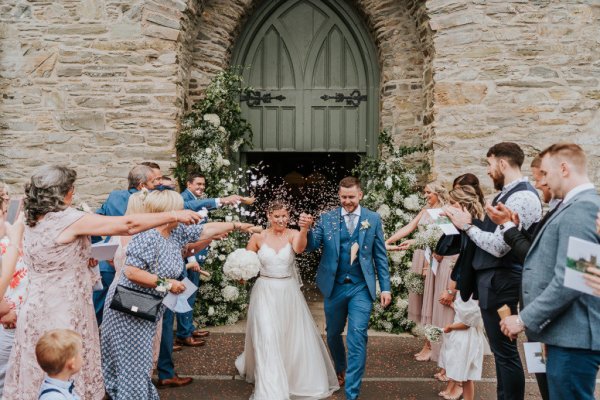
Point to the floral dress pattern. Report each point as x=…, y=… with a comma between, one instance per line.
x=59, y=296
x=127, y=340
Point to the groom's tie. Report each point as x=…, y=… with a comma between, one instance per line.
x=350, y=224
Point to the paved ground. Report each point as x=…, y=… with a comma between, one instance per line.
x=391, y=372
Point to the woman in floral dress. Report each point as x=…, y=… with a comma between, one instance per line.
x=56, y=249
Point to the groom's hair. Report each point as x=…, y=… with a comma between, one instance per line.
x=350, y=181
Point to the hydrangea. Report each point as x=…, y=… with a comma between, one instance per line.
x=230, y=293
x=384, y=211
x=402, y=304
x=211, y=311
x=396, y=280
x=397, y=256
x=212, y=119
x=241, y=264
x=412, y=203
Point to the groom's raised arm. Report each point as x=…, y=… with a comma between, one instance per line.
x=380, y=258
x=315, y=236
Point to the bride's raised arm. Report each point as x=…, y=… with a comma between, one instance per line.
x=299, y=240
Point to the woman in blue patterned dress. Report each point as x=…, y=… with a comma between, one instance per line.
x=153, y=259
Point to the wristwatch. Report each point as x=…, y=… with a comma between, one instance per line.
x=450, y=292
x=466, y=227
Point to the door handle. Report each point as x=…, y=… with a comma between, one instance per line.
x=353, y=100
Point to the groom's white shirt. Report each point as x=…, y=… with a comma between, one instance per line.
x=355, y=212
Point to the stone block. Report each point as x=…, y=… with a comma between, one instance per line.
x=452, y=94
x=162, y=20
x=87, y=120
x=95, y=102
x=77, y=29
x=125, y=30
x=69, y=70
x=160, y=32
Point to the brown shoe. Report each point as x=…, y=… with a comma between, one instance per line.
x=190, y=341
x=175, y=381
x=200, y=334
x=177, y=348
x=341, y=377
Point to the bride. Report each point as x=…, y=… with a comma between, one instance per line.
x=284, y=354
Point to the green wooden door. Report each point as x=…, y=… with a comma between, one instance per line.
x=312, y=67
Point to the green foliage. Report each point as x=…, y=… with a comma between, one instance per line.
x=210, y=135
x=389, y=184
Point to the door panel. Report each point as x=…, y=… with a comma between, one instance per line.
x=303, y=50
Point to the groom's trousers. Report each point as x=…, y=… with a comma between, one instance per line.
x=352, y=302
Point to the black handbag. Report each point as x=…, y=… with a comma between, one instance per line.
x=137, y=303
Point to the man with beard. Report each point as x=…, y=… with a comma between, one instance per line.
x=497, y=270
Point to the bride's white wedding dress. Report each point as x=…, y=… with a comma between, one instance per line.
x=284, y=354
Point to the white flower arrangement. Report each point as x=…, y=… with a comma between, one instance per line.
x=428, y=237
x=230, y=293
x=397, y=256
x=211, y=311
x=389, y=182
x=433, y=333
x=412, y=202
x=414, y=283
x=384, y=211
x=242, y=264
x=402, y=304
x=212, y=119
x=396, y=280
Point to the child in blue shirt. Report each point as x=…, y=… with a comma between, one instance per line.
x=59, y=354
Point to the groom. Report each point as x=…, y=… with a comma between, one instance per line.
x=353, y=249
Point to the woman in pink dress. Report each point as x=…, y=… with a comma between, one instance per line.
x=420, y=306
x=56, y=249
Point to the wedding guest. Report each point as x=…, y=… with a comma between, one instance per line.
x=153, y=265
x=13, y=281
x=59, y=354
x=187, y=335
x=157, y=176
x=56, y=250
x=497, y=272
x=463, y=348
x=564, y=319
x=140, y=177
x=420, y=306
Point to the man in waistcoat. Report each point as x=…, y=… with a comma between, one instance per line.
x=354, y=256
x=497, y=270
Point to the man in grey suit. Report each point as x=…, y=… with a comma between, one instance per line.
x=564, y=319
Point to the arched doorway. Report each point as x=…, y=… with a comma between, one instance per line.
x=314, y=109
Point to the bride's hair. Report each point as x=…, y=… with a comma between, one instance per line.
x=277, y=205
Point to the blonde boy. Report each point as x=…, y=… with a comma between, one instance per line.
x=59, y=354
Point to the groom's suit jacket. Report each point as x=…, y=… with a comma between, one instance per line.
x=553, y=313
x=371, y=254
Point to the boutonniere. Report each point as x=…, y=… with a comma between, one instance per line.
x=365, y=225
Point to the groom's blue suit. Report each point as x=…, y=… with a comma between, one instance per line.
x=349, y=288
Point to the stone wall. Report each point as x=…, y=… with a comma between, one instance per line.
x=523, y=71
x=100, y=84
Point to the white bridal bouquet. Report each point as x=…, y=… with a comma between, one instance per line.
x=242, y=264
x=428, y=237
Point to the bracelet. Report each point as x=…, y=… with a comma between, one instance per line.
x=163, y=285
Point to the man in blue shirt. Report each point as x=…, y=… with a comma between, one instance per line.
x=140, y=176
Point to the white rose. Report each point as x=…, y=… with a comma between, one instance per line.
x=211, y=311
x=230, y=293
x=208, y=151
x=226, y=162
